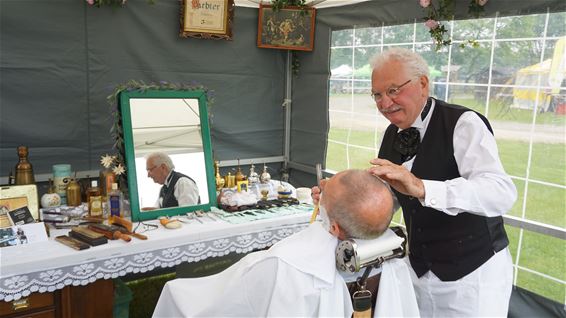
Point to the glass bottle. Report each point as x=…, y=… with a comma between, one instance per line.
x=115, y=203
x=94, y=198
x=107, y=178
x=265, y=176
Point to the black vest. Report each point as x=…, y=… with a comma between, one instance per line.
x=167, y=192
x=450, y=246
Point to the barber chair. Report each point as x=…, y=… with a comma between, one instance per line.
x=357, y=259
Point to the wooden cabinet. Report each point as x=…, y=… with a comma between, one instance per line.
x=35, y=305
x=91, y=301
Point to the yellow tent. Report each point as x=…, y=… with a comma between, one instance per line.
x=551, y=72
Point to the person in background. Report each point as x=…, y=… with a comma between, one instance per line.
x=177, y=189
x=296, y=277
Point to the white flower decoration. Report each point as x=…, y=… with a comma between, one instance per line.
x=119, y=169
x=107, y=160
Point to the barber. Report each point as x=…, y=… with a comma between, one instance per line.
x=442, y=163
x=177, y=189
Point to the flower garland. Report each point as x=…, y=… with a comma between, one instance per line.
x=117, y=130
x=115, y=3
x=444, y=11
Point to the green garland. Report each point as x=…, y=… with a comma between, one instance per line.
x=112, y=3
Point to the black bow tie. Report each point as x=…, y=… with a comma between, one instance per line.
x=407, y=143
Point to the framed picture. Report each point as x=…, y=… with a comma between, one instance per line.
x=207, y=19
x=15, y=197
x=290, y=28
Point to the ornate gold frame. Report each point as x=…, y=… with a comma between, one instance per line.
x=290, y=28
x=207, y=19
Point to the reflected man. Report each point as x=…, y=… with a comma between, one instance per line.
x=177, y=189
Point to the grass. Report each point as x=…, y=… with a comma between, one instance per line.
x=544, y=202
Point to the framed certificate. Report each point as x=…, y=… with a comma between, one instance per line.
x=207, y=19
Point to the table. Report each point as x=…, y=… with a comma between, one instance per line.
x=50, y=266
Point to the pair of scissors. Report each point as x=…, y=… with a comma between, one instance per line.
x=318, y=179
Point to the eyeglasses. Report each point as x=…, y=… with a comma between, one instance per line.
x=151, y=169
x=391, y=92
x=142, y=227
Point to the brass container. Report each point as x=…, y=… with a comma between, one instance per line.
x=73, y=193
x=24, y=170
x=230, y=180
x=219, y=180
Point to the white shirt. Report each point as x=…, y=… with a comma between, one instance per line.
x=483, y=188
x=186, y=191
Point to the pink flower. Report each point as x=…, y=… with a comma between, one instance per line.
x=90, y=2
x=481, y=3
x=424, y=3
x=432, y=24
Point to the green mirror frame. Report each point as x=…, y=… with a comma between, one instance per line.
x=125, y=108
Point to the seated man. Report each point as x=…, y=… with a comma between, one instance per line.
x=177, y=190
x=297, y=276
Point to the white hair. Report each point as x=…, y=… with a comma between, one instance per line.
x=413, y=63
x=161, y=158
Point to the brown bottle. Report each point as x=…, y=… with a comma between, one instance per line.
x=24, y=171
x=94, y=199
x=73, y=193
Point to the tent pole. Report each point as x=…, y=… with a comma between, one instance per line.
x=287, y=105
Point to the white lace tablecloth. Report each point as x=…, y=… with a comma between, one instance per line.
x=49, y=266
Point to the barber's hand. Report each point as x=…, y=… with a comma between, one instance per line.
x=315, y=192
x=398, y=177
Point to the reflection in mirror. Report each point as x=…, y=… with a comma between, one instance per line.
x=172, y=128
x=176, y=128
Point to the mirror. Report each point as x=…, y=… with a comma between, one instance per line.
x=174, y=122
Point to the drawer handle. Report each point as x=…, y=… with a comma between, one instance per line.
x=20, y=304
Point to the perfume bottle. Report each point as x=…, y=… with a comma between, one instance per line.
x=265, y=176
x=253, y=178
x=115, y=202
x=94, y=199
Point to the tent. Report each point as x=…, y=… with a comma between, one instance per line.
x=55, y=78
x=550, y=72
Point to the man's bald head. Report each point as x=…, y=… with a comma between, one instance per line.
x=360, y=204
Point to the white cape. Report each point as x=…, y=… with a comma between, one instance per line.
x=297, y=277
